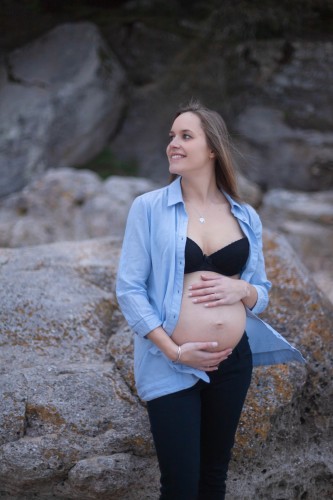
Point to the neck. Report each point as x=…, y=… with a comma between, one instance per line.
x=200, y=191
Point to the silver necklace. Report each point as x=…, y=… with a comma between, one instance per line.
x=202, y=219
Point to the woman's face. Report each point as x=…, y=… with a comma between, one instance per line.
x=188, y=151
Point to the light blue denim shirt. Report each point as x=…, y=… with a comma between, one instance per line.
x=150, y=286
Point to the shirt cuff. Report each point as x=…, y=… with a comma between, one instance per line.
x=262, y=300
x=146, y=325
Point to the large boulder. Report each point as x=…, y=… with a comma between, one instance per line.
x=72, y=426
x=61, y=98
x=278, y=153
x=276, y=97
x=65, y=409
x=70, y=204
x=306, y=219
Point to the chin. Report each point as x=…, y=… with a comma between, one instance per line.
x=173, y=170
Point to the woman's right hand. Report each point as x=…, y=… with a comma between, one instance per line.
x=199, y=355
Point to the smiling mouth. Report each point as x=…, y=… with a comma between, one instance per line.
x=176, y=157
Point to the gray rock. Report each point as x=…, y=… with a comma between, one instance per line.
x=61, y=98
x=68, y=204
x=71, y=425
x=315, y=207
x=306, y=219
x=250, y=191
x=108, y=477
x=284, y=119
x=279, y=432
x=275, y=96
x=63, y=400
x=285, y=155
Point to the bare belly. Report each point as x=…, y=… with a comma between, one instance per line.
x=223, y=324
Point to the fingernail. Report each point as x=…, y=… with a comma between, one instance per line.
x=195, y=300
x=190, y=287
x=190, y=294
x=214, y=344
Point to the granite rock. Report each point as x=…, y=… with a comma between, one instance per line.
x=72, y=426
x=306, y=219
x=61, y=98
x=68, y=204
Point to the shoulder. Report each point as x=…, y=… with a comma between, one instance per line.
x=247, y=214
x=252, y=214
x=243, y=211
x=149, y=198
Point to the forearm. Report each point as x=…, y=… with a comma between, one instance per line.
x=162, y=340
x=250, y=295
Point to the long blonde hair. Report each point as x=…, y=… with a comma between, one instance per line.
x=218, y=141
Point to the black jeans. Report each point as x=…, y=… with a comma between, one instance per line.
x=194, y=430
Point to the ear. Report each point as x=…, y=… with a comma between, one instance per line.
x=211, y=154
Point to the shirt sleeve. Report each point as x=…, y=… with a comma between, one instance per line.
x=134, y=269
x=259, y=278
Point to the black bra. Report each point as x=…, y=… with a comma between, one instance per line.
x=228, y=261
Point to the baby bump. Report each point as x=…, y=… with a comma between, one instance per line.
x=224, y=324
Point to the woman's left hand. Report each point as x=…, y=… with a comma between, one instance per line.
x=217, y=291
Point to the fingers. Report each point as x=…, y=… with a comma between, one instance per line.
x=211, y=359
x=208, y=368
x=202, y=346
x=207, y=282
x=212, y=298
x=202, y=287
x=205, y=346
x=199, y=355
x=214, y=303
x=212, y=363
x=204, y=292
x=195, y=290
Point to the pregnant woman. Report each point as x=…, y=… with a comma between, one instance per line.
x=190, y=282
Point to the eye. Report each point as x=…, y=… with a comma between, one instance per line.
x=187, y=136
x=171, y=136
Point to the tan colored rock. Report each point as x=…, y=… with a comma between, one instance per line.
x=71, y=424
x=62, y=400
x=280, y=427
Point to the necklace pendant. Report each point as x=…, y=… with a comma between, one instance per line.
x=202, y=220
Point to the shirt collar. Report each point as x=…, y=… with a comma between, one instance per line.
x=175, y=192
x=175, y=195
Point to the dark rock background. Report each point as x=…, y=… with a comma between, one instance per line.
x=266, y=66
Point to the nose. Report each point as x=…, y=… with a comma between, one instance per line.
x=174, y=142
